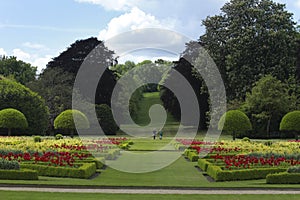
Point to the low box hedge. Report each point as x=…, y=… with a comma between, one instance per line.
x=23, y=174
x=84, y=171
x=218, y=174
x=100, y=162
x=193, y=156
x=283, y=178
x=203, y=164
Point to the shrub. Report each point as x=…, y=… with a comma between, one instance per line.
x=37, y=139
x=106, y=120
x=86, y=170
x=246, y=139
x=294, y=169
x=23, y=174
x=193, y=156
x=283, y=178
x=242, y=174
x=9, y=165
x=11, y=118
x=67, y=119
x=234, y=121
x=59, y=137
x=291, y=122
x=203, y=164
x=14, y=95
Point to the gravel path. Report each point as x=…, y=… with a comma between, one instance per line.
x=155, y=191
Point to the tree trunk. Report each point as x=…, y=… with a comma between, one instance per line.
x=268, y=127
x=233, y=135
x=9, y=131
x=72, y=133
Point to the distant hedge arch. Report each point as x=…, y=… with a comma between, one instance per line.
x=234, y=121
x=11, y=118
x=17, y=96
x=65, y=120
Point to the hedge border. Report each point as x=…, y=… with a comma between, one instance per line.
x=23, y=174
x=283, y=178
x=85, y=171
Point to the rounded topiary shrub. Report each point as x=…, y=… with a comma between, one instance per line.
x=291, y=122
x=15, y=95
x=234, y=121
x=106, y=119
x=66, y=120
x=11, y=118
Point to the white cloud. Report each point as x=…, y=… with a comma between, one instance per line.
x=135, y=19
x=21, y=55
x=41, y=62
x=138, y=59
x=2, y=52
x=297, y=3
x=34, y=45
x=117, y=5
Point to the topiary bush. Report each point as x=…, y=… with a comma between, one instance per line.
x=11, y=118
x=291, y=122
x=234, y=121
x=14, y=95
x=67, y=119
x=106, y=120
x=37, y=139
x=9, y=165
x=59, y=137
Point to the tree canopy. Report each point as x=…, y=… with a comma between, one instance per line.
x=11, y=118
x=249, y=40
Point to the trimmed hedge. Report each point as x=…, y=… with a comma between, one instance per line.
x=84, y=171
x=193, y=156
x=100, y=162
x=203, y=164
x=24, y=174
x=243, y=174
x=283, y=178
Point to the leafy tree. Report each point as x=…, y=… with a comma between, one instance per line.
x=268, y=101
x=11, y=118
x=55, y=86
x=121, y=69
x=291, y=122
x=17, y=69
x=106, y=119
x=234, y=121
x=67, y=119
x=71, y=60
x=15, y=95
x=249, y=40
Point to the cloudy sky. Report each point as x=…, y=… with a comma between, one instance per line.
x=36, y=31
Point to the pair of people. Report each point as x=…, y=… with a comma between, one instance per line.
x=160, y=133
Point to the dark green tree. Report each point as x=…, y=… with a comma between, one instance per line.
x=106, y=120
x=14, y=95
x=250, y=39
x=11, y=118
x=17, y=69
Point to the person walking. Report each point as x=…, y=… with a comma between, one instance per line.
x=160, y=134
x=154, y=134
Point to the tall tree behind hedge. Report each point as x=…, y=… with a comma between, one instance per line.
x=14, y=95
x=250, y=39
x=17, y=69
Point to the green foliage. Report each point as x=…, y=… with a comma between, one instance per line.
x=59, y=137
x=23, y=174
x=267, y=102
x=86, y=170
x=67, y=119
x=193, y=156
x=283, y=178
x=294, y=169
x=106, y=119
x=246, y=139
x=37, y=139
x=17, y=96
x=16, y=69
x=234, y=121
x=243, y=174
x=12, y=118
x=291, y=121
x=203, y=164
x=250, y=39
x=9, y=165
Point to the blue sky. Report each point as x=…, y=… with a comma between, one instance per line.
x=37, y=30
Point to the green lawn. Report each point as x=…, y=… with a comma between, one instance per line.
x=8, y=195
